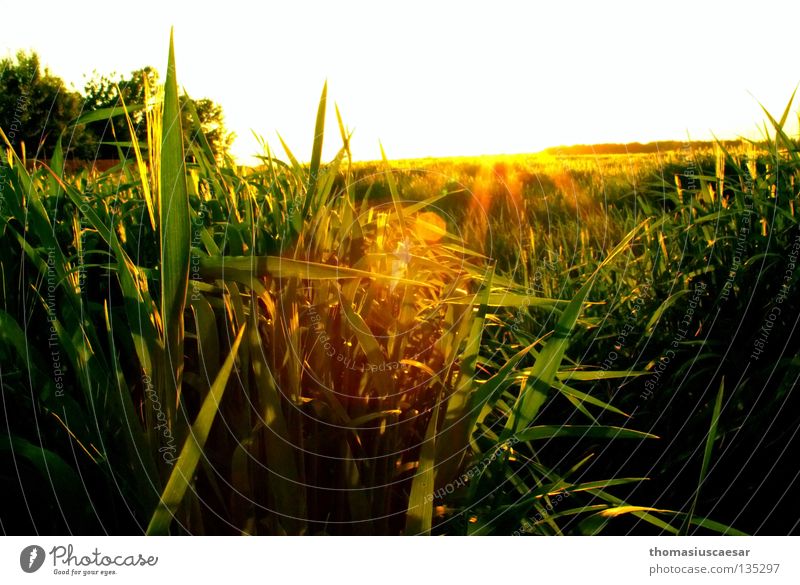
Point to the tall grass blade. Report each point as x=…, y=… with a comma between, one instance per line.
x=192, y=450
x=539, y=433
x=709, y=448
x=419, y=517
x=316, y=150
x=175, y=234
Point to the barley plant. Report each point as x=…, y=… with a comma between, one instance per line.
x=550, y=346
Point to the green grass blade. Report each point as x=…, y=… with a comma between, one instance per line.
x=663, y=307
x=715, y=526
x=459, y=418
x=577, y=397
x=709, y=448
x=788, y=109
x=284, y=479
x=245, y=269
x=589, y=375
x=641, y=514
x=56, y=168
x=344, y=134
x=107, y=113
x=175, y=233
x=141, y=166
x=372, y=349
x=541, y=432
x=396, y=201
x=185, y=467
x=419, y=517
x=509, y=299
x=316, y=150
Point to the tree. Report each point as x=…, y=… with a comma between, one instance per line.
x=36, y=107
x=105, y=92
x=212, y=123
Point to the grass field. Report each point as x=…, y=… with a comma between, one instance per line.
x=545, y=344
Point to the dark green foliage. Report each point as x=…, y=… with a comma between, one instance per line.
x=36, y=108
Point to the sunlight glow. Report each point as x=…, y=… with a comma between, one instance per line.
x=445, y=78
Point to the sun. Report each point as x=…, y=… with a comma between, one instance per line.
x=430, y=227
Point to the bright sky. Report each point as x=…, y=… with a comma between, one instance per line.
x=441, y=78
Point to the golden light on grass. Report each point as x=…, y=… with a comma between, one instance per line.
x=430, y=227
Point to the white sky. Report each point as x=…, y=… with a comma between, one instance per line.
x=441, y=78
